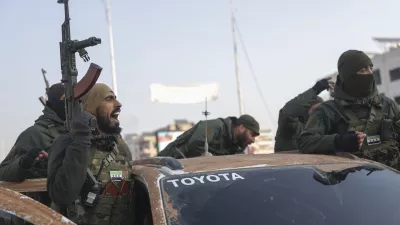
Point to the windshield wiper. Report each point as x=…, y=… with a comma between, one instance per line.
x=335, y=177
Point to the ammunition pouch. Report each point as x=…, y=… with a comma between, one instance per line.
x=104, y=199
x=109, y=207
x=387, y=131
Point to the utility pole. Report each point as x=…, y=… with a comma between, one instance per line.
x=111, y=41
x=235, y=58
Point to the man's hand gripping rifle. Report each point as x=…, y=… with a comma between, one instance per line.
x=75, y=90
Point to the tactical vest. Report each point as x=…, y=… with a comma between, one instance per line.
x=379, y=145
x=111, y=205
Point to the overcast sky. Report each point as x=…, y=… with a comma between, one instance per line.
x=291, y=43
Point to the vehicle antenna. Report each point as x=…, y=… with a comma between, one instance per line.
x=206, y=113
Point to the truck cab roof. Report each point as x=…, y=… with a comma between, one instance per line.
x=152, y=173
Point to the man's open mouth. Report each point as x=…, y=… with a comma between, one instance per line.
x=115, y=114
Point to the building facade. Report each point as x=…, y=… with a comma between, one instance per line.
x=132, y=140
x=148, y=144
x=264, y=143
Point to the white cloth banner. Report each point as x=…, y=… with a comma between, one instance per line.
x=184, y=94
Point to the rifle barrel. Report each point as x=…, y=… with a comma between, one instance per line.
x=93, y=41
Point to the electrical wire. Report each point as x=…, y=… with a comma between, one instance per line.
x=271, y=117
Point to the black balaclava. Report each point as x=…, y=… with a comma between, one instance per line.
x=355, y=85
x=55, y=100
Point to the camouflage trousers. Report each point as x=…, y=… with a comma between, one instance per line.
x=389, y=156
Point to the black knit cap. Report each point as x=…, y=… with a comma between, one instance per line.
x=56, y=91
x=250, y=123
x=55, y=99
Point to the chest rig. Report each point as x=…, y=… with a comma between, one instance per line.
x=106, y=194
x=370, y=126
x=379, y=144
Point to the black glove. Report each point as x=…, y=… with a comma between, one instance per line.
x=347, y=142
x=321, y=85
x=28, y=159
x=82, y=125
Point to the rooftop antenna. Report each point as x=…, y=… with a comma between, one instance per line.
x=206, y=114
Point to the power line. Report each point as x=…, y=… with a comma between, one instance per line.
x=271, y=117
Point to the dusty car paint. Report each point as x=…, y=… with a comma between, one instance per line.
x=151, y=177
x=212, y=163
x=30, y=210
x=151, y=173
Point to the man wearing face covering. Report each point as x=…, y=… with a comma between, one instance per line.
x=358, y=120
x=294, y=115
x=76, y=152
x=28, y=157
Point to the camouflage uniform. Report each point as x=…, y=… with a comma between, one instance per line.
x=376, y=116
x=219, y=136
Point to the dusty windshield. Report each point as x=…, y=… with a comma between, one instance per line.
x=278, y=196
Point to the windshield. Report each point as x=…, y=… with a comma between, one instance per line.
x=303, y=195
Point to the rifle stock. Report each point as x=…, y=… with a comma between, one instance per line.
x=42, y=100
x=46, y=82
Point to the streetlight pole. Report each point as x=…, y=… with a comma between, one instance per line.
x=111, y=41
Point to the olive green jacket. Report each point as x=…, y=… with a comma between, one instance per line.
x=322, y=127
x=41, y=135
x=192, y=142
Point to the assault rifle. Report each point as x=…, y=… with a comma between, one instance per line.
x=46, y=82
x=75, y=90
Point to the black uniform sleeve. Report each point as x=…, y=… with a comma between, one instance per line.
x=10, y=170
x=68, y=163
x=300, y=104
x=316, y=137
